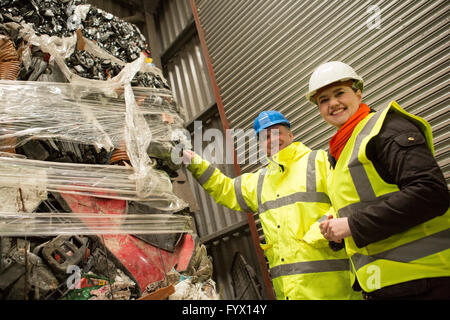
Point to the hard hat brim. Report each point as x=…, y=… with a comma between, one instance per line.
x=358, y=83
x=281, y=121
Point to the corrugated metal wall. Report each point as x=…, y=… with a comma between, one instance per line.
x=187, y=74
x=214, y=217
x=185, y=69
x=264, y=51
x=174, y=16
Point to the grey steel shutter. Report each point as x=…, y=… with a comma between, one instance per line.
x=264, y=51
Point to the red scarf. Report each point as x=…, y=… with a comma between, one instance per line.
x=340, y=138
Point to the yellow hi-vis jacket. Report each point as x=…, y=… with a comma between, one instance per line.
x=422, y=251
x=290, y=196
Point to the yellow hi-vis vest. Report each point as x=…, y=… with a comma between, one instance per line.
x=290, y=196
x=422, y=251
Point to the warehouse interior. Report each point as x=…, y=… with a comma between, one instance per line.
x=214, y=64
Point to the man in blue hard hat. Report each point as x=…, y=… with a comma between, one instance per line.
x=290, y=195
x=276, y=134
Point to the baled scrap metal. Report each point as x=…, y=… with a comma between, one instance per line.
x=139, y=123
x=142, y=75
x=36, y=281
x=122, y=39
x=47, y=16
x=90, y=60
x=89, y=66
x=96, y=128
x=60, y=18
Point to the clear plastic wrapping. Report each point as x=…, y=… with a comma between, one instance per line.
x=104, y=181
x=81, y=113
x=53, y=224
x=62, y=48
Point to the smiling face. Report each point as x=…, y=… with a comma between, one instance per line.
x=338, y=102
x=275, y=138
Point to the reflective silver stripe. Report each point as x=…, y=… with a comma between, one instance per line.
x=206, y=175
x=294, y=198
x=239, y=196
x=408, y=252
x=310, y=267
x=259, y=188
x=356, y=168
x=311, y=172
x=324, y=218
x=309, y=196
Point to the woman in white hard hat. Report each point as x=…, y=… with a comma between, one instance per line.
x=389, y=193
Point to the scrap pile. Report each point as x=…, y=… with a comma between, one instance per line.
x=88, y=127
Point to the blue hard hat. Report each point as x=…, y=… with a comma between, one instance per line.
x=267, y=119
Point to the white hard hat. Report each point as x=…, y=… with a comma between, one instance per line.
x=330, y=72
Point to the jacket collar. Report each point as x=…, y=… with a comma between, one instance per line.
x=288, y=155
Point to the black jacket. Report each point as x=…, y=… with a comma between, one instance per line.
x=401, y=156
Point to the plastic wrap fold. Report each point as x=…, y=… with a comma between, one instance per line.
x=45, y=224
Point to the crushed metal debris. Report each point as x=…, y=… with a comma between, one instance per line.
x=88, y=266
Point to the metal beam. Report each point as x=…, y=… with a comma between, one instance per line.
x=150, y=6
x=132, y=4
x=225, y=232
x=149, y=9
x=138, y=17
x=183, y=37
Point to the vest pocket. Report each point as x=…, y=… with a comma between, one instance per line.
x=314, y=237
x=409, y=139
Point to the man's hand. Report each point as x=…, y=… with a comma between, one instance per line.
x=188, y=155
x=335, y=229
